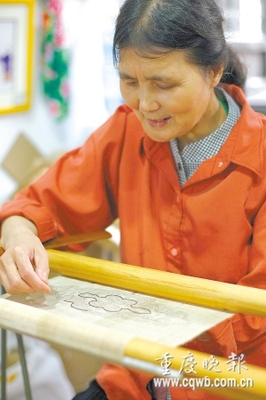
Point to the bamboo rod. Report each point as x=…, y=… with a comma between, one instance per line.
x=187, y=289
x=73, y=239
x=148, y=351
x=118, y=347
x=61, y=329
x=94, y=340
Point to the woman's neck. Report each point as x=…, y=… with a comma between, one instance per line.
x=214, y=120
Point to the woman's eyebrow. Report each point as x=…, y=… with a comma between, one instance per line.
x=124, y=75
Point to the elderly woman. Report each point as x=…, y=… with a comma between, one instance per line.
x=181, y=164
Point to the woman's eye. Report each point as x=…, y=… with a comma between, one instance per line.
x=131, y=83
x=164, y=87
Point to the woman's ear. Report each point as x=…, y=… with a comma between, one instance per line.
x=216, y=75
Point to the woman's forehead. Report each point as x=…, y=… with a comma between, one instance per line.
x=152, y=52
x=130, y=60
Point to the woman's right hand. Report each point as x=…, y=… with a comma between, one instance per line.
x=24, y=266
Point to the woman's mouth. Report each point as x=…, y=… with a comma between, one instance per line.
x=158, y=123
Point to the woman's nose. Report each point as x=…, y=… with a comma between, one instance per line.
x=147, y=101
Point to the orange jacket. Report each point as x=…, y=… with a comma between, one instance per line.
x=213, y=227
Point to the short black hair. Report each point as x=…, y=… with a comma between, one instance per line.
x=161, y=26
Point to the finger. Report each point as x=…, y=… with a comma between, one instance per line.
x=12, y=282
x=41, y=265
x=26, y=270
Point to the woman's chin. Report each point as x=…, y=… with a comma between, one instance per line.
x=159, y=137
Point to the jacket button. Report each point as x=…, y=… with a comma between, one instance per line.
x=174, y=252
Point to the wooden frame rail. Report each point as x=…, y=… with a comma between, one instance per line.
x=139, y=353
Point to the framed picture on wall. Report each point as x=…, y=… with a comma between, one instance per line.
x=16, y=54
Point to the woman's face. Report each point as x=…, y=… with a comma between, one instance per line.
x=170, y=96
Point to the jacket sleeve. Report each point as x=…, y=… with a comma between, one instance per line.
x=78, y=193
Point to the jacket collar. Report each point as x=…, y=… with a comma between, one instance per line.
x=242, y=147
x=247, y=135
